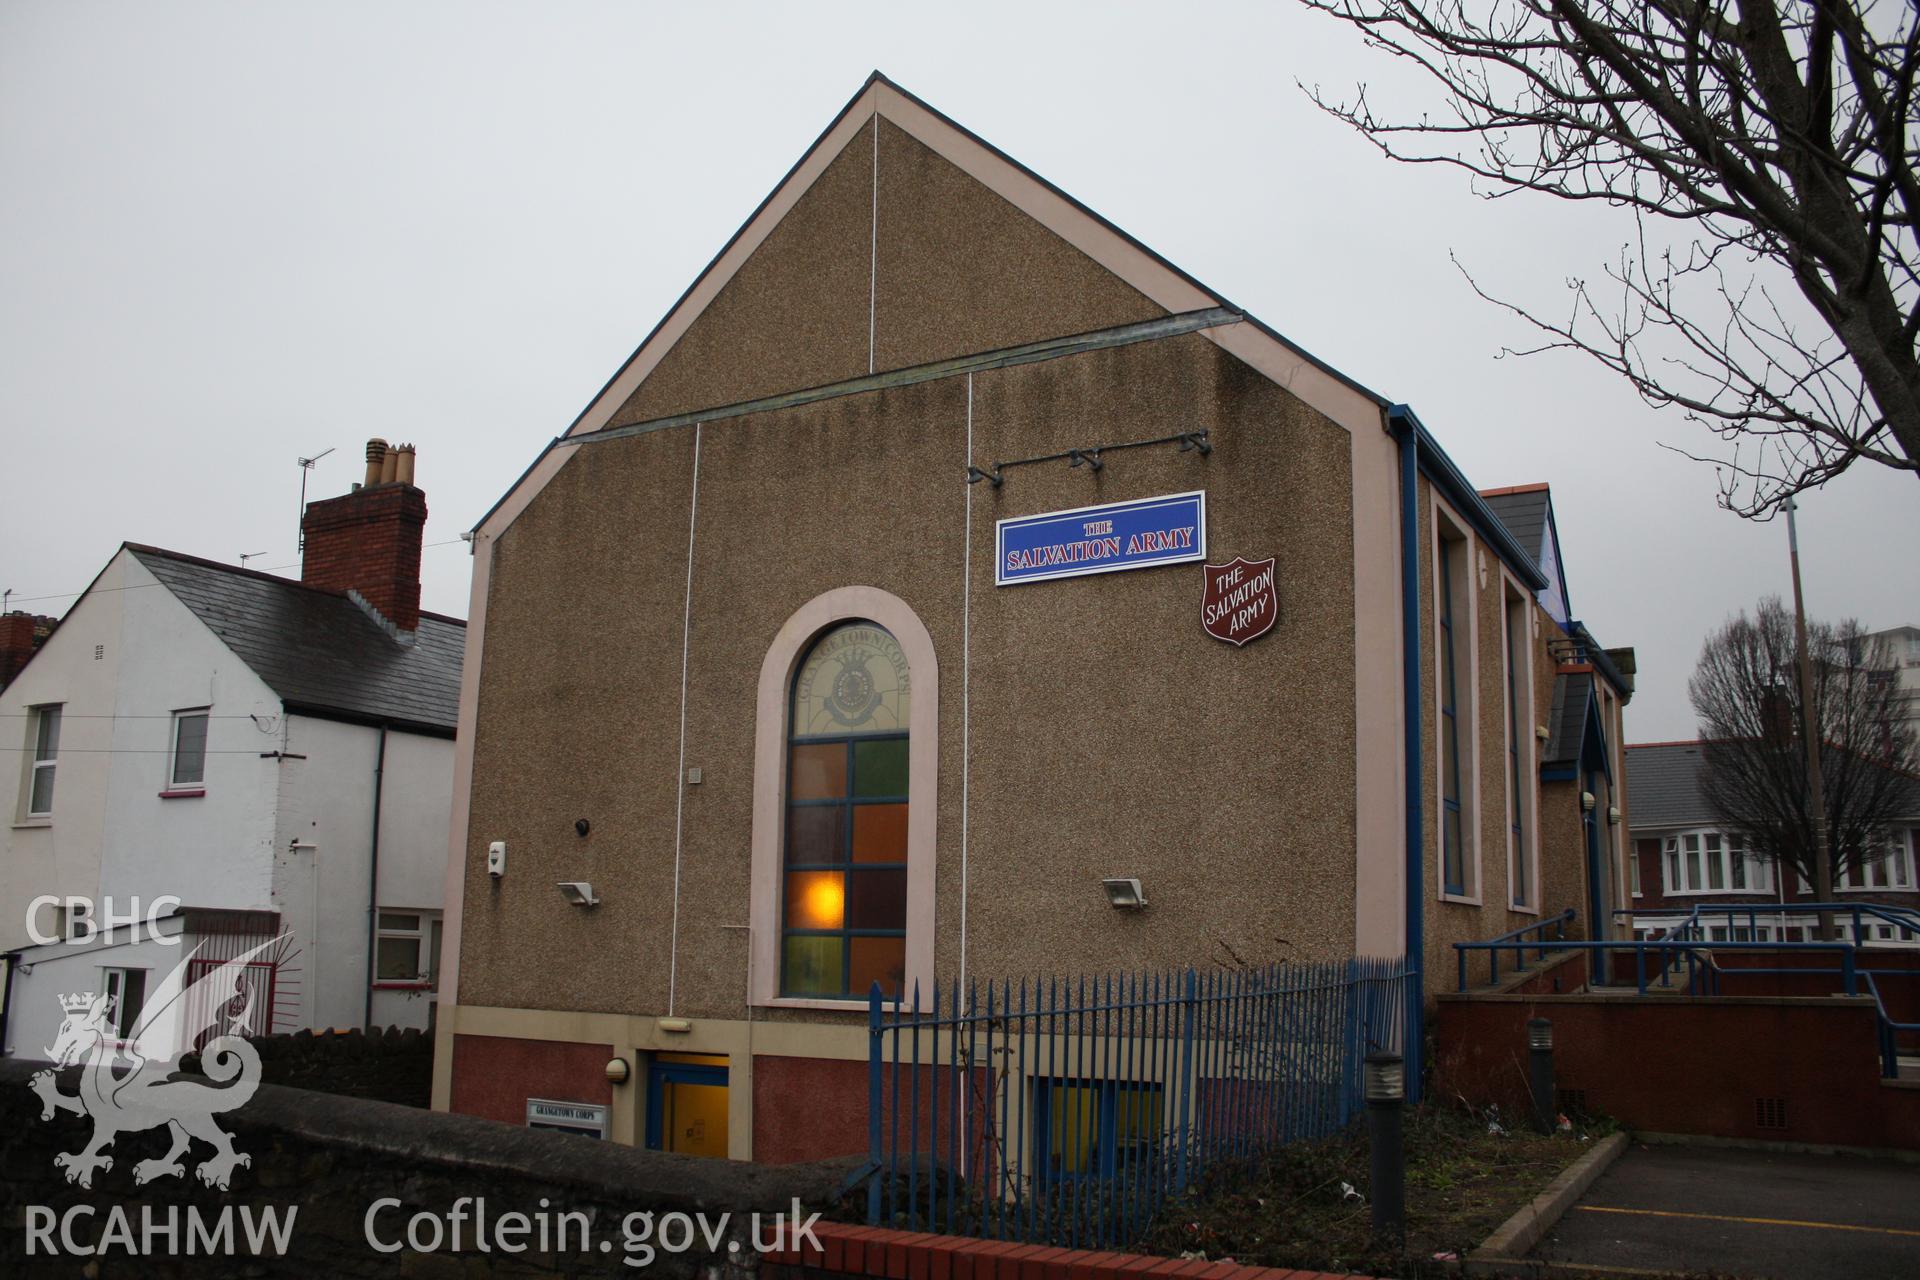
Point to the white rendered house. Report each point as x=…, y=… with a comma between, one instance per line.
x=237, y=756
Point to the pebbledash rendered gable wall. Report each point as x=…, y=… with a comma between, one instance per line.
x=1110, y=735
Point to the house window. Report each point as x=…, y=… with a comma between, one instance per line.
x=1713, y=862
x=1094, y=1128
x=407, y=948
x=1633, y=871
x=46, y=750
x=1456, y=740
x=844, y=873
x=1519, y=752
x=1890, y=866
x=187, y=767
x=127, y=996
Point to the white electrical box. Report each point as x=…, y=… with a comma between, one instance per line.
x=497, y=859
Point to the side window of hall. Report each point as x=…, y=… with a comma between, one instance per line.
x=844, y=848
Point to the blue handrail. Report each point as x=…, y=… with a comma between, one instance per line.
x=1907, y=918
x=1889, y=1046
x=1510, y=935
x=1679, y=949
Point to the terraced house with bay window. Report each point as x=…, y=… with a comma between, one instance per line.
x=951, y=587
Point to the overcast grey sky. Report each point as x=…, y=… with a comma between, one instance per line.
x=235, y=234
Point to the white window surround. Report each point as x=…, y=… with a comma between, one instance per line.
x=1466, y=708
x=413, y=930
x=1709, y=846
x=795, y=637
x=1522, y=719
x=127, y=988
x=42, y=754
x=1893, y=869
x=195, y=780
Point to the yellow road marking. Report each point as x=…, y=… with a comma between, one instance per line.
x=1763, y=1222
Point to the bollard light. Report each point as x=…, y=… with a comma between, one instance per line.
x=1384, y=1082
x=1540, y=1072
x=1384, y=1077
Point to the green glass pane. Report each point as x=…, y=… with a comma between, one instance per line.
x=880, y=768
x=811, y=967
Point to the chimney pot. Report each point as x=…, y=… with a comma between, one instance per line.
x=376, y=457
x=403, y=470
x=368, y=541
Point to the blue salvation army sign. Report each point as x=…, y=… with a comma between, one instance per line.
x=1104, y=539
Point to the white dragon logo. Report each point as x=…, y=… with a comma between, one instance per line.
x=144, y=1097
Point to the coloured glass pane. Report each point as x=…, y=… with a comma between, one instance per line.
x=812, y=966
x=880, y=768
x=880, y=833
x=816, y=900
x=819, y=771
x=881, y=960
x=876, y=900
x=853, y=681
x=816, y=834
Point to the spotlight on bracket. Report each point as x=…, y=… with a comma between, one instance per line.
x=975, y=475
x=1090, y=457
x=1196, y=440
x=1124, y=893
x=579, y=893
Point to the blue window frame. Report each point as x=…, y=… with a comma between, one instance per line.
x=1453, y=850
x=1094, y=1128
x=1516, y=814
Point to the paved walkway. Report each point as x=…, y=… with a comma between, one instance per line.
x=1725, y=1211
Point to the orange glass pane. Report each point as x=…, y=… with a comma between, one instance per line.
x=819, y=771
x=816, y=900
x=880, y=833
x=882, y=960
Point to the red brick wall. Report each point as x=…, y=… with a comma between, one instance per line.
x=1670, y=1064
x=493, y=1076
x=369, y=541
x=910, y=1255
x=816, y=1109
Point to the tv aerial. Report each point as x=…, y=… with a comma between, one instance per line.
x=306, y=466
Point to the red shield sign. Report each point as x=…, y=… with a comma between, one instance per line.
x=1241, y=602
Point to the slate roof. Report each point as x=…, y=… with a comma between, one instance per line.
x=319, y=650
x=1524, y=512
x=1663, y=782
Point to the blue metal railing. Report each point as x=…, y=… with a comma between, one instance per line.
x=1890, y=1030
x=1674, y=953
x=1704, y=915
x=1066, y=1111
x=1557, y=923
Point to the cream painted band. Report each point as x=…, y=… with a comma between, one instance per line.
x=630, y=1035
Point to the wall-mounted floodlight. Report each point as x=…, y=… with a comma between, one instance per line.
x=579, y=893
x=1195, y=440
x=1084, y=458
x=975, y=475
x=1125, y=893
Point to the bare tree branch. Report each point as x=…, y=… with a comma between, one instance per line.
x=1770, y=138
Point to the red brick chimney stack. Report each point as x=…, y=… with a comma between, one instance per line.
x=20, y=635
x=368, y=541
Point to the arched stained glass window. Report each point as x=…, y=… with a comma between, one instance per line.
x=843, y=907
